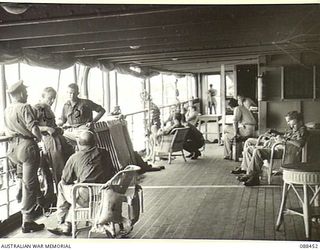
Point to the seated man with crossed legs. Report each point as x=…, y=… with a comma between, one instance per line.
x=296, y=136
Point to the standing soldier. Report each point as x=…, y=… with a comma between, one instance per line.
x=55, y=145
x=21, y=124
x=212, y=99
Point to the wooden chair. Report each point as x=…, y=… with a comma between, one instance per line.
x=84, y=218
x=171, y=144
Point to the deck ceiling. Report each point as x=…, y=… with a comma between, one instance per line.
x=180, y=38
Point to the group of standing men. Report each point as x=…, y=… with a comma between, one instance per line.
x=27, y=126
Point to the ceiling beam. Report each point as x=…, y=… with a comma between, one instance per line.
x=187, y=16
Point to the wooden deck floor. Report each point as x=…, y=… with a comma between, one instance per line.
x=200, y=199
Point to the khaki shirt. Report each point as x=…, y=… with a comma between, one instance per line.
x=211, y=95
x=80, y=112
x=19, y=119
x=45, y=115
x=298, y=135
x=90, y=165
x=243, y=115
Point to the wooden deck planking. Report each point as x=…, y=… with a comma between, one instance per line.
x=233, y=214
x=238, y=232
x=175, y=214
x=200, y=199
x=289, y=222
x=151, y=212
x=269, y=216
x=193, y=202
x=297, y=220
x=204, y=223
x=160, y=215
x=259, y=224
x=251, y=214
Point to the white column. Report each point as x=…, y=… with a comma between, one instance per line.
x=223, y=94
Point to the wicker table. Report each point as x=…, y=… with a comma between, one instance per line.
x=307, y=176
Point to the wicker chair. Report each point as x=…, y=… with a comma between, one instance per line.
x=85, y=218
x=170, y=144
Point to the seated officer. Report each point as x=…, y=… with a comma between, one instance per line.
x=176, y=123
x=21, y=124
x=78, y=113
x=295, y=136
x=243, y=126
x=88, y=165
x=249, y=145
x=156, y=134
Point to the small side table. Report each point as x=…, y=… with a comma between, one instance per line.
x=210, y=118
x=306, y=175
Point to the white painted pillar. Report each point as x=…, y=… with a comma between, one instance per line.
x=223, y=94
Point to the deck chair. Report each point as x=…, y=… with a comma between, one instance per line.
x=104, y=210
x=170, y=144
x=104, y=140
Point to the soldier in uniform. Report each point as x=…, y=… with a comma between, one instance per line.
x=22, y=126
x=78, y=113
x=243, y=126
x=55, y=145
x=89, y=165
x=294, y=138
x=212, y=103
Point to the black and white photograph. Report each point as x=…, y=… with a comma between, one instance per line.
x=170, y=122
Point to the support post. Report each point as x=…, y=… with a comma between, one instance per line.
x=116, y=87
x=106, y=94
x=223, y=92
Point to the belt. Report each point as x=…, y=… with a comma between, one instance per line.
x=23, y=137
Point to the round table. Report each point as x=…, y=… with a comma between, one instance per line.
x=307, y=176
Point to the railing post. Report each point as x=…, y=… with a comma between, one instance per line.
x=132, y=123
x=3, y=99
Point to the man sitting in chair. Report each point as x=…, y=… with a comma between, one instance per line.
x=89, y=165
x=192, y=114
x=78, y=113
x=241, y=116
x=156, y=134
x=295, y=136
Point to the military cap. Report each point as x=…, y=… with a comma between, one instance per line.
x=16, y=86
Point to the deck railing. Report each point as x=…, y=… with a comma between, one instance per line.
x=138, y=123
x=8, y=202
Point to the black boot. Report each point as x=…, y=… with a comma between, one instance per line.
x=252, y=181
x=29, y=227
x=238, y=170
x=196, y=155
